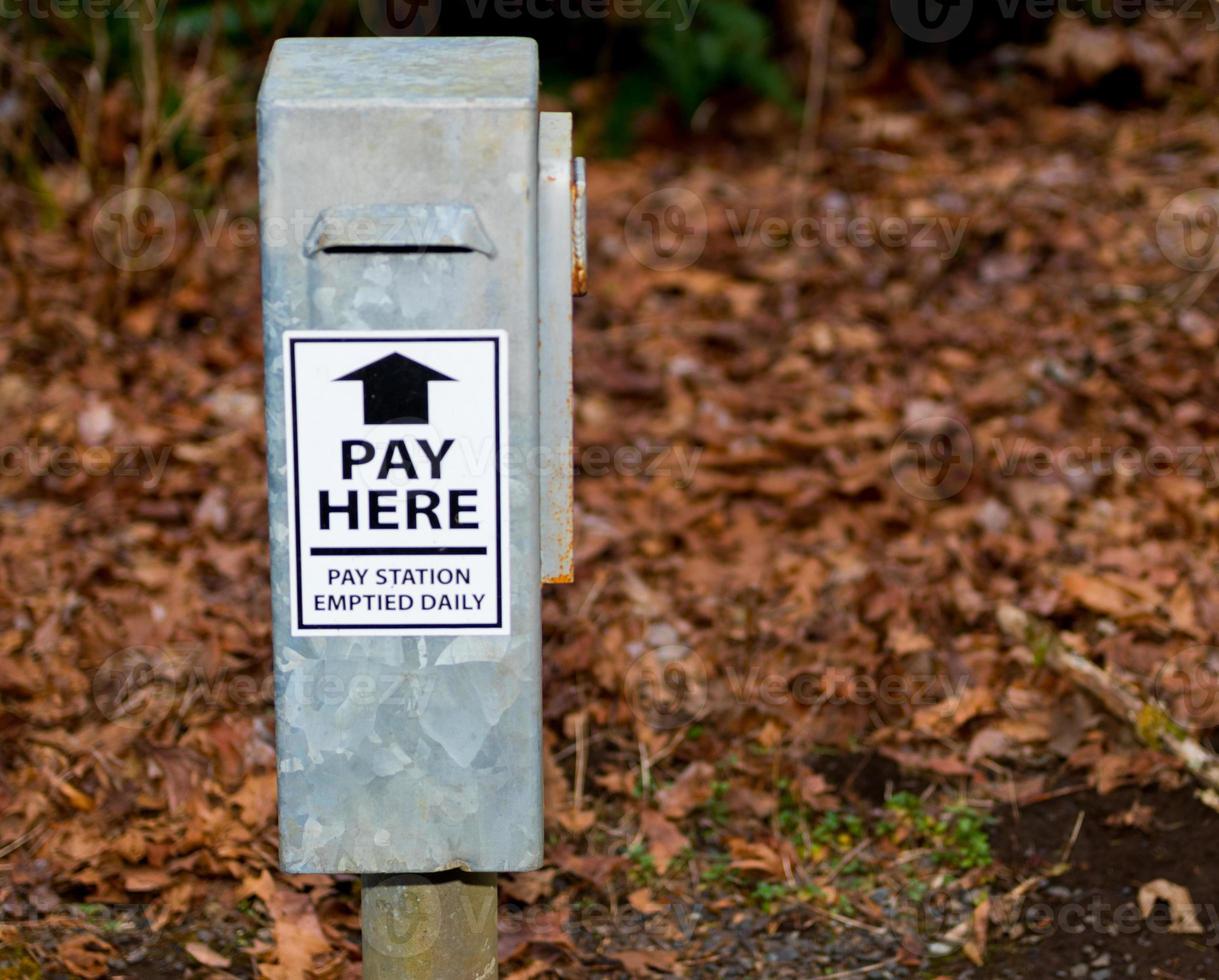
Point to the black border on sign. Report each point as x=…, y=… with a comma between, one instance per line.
x=296, y=503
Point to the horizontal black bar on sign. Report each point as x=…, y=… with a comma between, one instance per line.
x=397, y=551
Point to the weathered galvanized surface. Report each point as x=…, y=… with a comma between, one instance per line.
x=406, y=753
x=556, y=221
x=442, y=927
x=390, y=226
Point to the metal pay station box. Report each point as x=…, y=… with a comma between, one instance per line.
x=421, y=230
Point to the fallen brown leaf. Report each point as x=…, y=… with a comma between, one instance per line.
x=298, y=935
x=207, y=956
x=642, y=900
x=642, y=962
x=528, y=886
x=665, y=841
x=1112, y=595
x=85, y=955
x=691, y=789
x=146, y=880
x=755, y=856
x=1180, y=903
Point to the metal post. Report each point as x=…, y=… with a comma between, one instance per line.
x=429, y=927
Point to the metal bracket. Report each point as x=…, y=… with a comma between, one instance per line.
x=558, y=232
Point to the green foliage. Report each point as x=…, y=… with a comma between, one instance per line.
x=768, y=894
x=643, y=865
x=716, y=808
x=1153, y=723
x=114, y=44
x=837, y=831
x=683, y=53
x=853, y=851
x=791, y=817
x=967, y=843
x=18, y=963
x=1041, y=642
x=958, y=838
x=726, y=44
x=720, y=871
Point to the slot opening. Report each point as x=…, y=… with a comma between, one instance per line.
x=397, y=249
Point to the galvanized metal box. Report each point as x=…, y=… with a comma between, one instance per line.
x=399, y=184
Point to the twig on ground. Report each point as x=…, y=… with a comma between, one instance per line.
x=1150, y=723
x=12, y=845
x=1053, y=794
x=1070, y=845
x=847, y=859
x=581, y=761
x=819, y=31
x=860, y=971
x=850, y=923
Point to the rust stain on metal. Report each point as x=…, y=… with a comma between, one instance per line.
x=565, y=539
x=564, y=528
x=579, y=229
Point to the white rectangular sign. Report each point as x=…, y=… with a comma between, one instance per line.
x=397, y=481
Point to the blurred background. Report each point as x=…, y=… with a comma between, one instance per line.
x=892, y=648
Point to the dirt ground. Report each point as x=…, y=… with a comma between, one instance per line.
x=1094, y=904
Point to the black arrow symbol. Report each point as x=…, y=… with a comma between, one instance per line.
x=395, y=390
